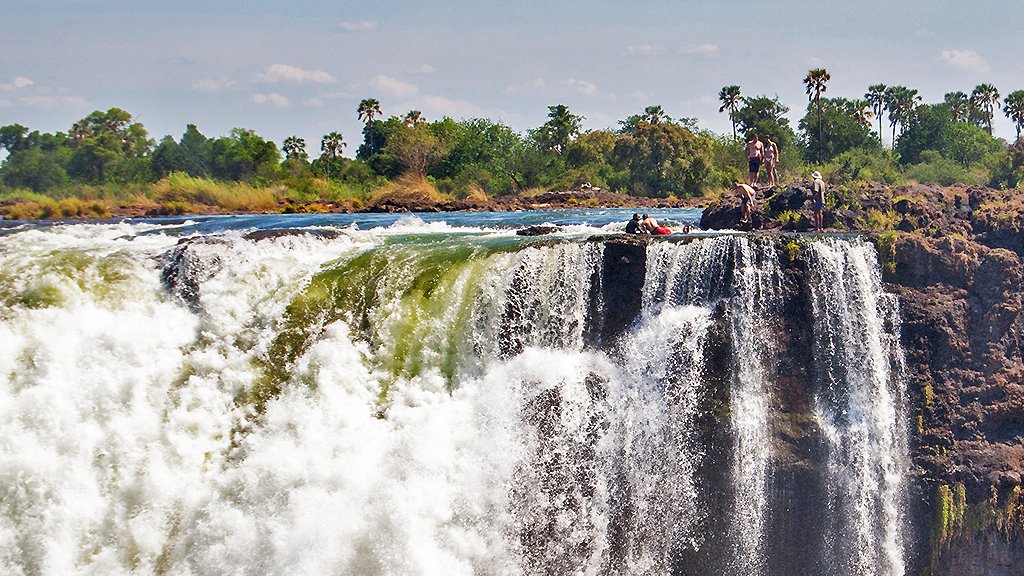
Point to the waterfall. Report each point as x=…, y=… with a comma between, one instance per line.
x=859, y=406
x=745, y=276
x=429, y=402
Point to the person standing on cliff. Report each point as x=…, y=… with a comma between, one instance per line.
x=746, y=200
x=755, y=152
x=818, y=197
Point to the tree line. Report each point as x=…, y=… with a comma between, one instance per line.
x=646, y=154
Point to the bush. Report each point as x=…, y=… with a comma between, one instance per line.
x=935, y=169
x=862, y=165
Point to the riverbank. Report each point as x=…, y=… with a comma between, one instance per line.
x=37, y=208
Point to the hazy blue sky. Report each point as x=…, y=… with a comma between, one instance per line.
x=301, y=67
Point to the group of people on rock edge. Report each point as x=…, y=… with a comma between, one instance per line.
x=646, y=225
x=762, y=154
x=747, y=199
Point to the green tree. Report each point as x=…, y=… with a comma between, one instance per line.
x=876, y=97
x=36, y=168
x=109, y=146
x=1013, y=107
x=415, y=147
x=556, y=134
x=984, y=101
x=654, y=115
x=959, y=105
x=369, y=108
x=663, y=158
x=414, y=117
x=900, y=104
x=166, y=157
x=332, y=145
x=195, y=152
x=841, y=124
x=243, y=155
x=13, y=137
x=731, y=99
x=294, y=148
x=816, y=82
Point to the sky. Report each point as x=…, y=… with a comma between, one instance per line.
x=301, y=67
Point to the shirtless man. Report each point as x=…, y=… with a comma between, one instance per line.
x=746, y=200
x=755, y=152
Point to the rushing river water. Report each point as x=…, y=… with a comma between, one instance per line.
x=427, y=394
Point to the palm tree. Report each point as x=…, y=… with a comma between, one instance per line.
x=959, y=105
x=413, y=118
x=331, y=147
x=80, y=131
x=294, y=148
x=1013, y=107
x=876, y=97
x=859, y=110
x=730, y=98
x=817, y=82
x=654, y=115
x=984, y=100
x=368, y=108
x=900, y=103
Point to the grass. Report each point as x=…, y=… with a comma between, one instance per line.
x=409, y=187
x=50, y=209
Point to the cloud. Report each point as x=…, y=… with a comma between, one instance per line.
x=314, y=102
x=643, y=50
x=211, y=86
x=359, y=26
x=287, y=73
x=16, y=84
x=963, y=60
x=588, y=89
x=424, y=69
x=52, y=102
x=273, y=99
x=700, y=50
x=638, y=95
x=393, y=87
x=439, y=106
x=5, y=103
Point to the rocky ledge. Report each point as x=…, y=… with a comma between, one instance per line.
x=953, y=255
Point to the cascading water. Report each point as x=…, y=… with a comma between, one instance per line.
x=746, y=277
x=416, y=401
x=859, y=363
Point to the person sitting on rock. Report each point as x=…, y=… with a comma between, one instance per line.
x=746, y=200
x=818, y=197
x=635, y=226
x=649, y=223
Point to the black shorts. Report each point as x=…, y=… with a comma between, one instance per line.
x=755, y=164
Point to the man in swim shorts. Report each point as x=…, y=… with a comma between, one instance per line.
x=746, y=200
x=755, y=152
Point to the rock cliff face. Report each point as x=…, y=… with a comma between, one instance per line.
x=954, y=258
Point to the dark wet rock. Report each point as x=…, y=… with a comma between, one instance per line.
x=274, y=233
x=537, y=230
x=622, y=283
x=187, y=266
